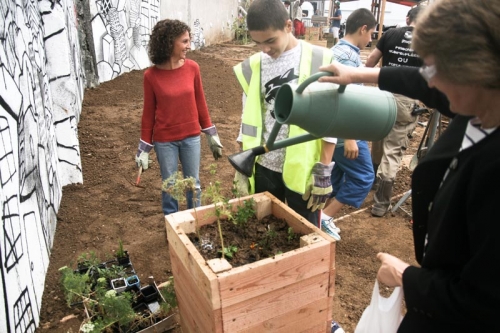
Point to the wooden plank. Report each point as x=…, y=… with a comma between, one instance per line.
x=219, y=265
x=180, y=245
x=196, y=310
x=264, y=276
x=309, y=318
x=299, y=224
x=274, y=303
x=331, y=286
x=310, y=239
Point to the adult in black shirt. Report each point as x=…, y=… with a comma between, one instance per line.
x=395, y=50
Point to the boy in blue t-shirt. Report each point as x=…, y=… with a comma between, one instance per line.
x=352, y=175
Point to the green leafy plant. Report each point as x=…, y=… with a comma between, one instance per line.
x=107, y=310
x=291, y=234
x=167, y=293
x=177, y=187
x=75, y=285
x=120, y=253
x=269, y=235
x=244, y=213
x=221, y=204
x=230, y=251
x=240, y=29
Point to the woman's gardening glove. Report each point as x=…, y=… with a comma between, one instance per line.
x=142, y=156
x=213, y=141
x=321, y=186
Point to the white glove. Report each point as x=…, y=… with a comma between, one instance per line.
x=142, y=156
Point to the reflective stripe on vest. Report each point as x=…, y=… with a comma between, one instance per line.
x=299, y=159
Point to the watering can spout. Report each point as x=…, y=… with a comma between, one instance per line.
x=325, y=110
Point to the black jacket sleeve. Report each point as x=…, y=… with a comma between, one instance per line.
x=408, y=81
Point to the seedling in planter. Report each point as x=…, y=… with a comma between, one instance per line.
x=244, y=213
x=222, y=208
x=268, y=238
x=122, y=255
x=230, y=251
x=291, y=235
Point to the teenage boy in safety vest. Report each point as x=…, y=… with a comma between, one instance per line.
x=300, y=174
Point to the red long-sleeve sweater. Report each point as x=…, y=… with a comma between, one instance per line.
x=174, y=104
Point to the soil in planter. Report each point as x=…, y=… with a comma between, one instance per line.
x=255, y=241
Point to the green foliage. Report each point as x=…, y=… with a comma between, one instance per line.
x=88, y=259
x=75, y=285
x=291, y=234
x=221, y=204
x=230, y=251
x=112, y=272
x=177, y=186
x=120, y=253
x=168, y=295
x=108, y=310
x=268, y=238
x=244, y=213
x=240, y=29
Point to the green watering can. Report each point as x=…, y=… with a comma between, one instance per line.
x=324, y=110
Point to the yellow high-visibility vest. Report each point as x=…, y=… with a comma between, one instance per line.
x=300, y=158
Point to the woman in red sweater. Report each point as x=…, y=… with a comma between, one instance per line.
x=175, y=111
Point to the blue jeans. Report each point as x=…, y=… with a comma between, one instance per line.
x=352, y=179
x=188, y=152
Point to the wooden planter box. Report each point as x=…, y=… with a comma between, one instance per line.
x=290, y=292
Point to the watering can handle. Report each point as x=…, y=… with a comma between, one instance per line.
x=314, y=78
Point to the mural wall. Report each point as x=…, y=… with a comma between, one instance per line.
x=42, y=84
x=41, y=91
x=121, y=31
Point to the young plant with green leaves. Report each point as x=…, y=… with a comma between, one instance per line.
x=178, y=187
x=229, y=251
x=222, y=207
x=245, y=212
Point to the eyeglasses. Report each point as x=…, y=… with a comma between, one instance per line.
x=428, y=72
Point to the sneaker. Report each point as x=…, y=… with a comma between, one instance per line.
x=330, y=228
x=336, y=328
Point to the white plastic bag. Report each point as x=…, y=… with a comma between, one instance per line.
x=383, y=315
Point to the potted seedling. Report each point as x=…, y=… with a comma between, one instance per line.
x=121, y=255
x=108, y=306
x=133, y=281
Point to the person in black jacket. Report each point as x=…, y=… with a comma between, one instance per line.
x=455, y=187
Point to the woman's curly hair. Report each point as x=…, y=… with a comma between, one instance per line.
x=163, y=36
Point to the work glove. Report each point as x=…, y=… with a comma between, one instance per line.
x=321, y=186
x=213, y=141
x=142, y=156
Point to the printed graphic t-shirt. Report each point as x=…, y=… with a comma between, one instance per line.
x=395, y=47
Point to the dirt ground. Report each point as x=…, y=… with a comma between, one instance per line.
x=107, y=207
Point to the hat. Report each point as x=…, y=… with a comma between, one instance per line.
x=337, y=3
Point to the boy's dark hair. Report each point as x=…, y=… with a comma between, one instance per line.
x=413, y=14
x=266, y=14
x=359, y=18
x=287, y=2
x=163, y=36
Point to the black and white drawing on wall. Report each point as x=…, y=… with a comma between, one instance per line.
x=40, y=103
x=66, y=78
x=197, y=38
x=121, y=30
